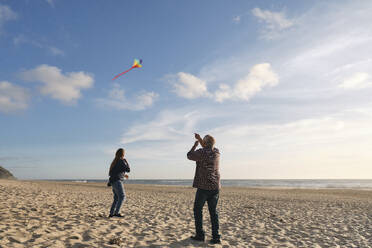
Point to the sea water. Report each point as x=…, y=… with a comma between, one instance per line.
x=275, y=183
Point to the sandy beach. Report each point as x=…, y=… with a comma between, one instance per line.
x=66, y=214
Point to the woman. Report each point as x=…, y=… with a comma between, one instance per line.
x=117, y=173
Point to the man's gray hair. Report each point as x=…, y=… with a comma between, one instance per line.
x=209, y=141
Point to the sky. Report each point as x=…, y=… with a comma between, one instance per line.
x=284, y=87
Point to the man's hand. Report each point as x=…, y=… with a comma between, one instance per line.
x=126, y=176
x=197, y=136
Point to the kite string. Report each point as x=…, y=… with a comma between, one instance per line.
x=122, y=73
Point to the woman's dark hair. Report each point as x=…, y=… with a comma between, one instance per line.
x=119, y=153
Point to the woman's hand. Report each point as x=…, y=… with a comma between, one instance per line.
x=126, y=176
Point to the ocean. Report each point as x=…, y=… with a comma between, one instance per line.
x=265, y=183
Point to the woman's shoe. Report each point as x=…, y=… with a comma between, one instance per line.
x=198, y=238
x=215, y=241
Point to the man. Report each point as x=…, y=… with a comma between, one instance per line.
x=207, y=182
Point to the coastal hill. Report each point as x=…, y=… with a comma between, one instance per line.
x=5, y=174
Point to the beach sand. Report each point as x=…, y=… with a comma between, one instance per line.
x=66, y=214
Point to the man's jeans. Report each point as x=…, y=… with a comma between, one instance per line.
x=119, y=196
x=211, y=196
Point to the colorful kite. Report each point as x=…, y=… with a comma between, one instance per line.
x=136, y=64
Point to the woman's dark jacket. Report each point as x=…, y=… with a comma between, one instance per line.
x=118, y=171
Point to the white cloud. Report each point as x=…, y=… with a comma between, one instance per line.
x=146, y=99
x=333, y=44
x=55, y=51
x=116, y=99
x=237, y=19
x=281, y=136
x=167, y=126
x=19, y=39
x=275, y=22
x=22, y=39
x=6, y=14
x=260, y=76
x=12, y=97
x=63, y=87
x=51, y=2
x=224, y=92
x=188, y=86
x=359, y=80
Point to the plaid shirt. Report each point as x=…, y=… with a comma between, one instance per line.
x=207, y=174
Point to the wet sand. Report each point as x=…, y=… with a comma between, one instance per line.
x=64, y=214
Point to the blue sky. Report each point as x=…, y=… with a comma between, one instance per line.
x=284, y=87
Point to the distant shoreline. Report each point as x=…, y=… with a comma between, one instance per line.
x=357, y=184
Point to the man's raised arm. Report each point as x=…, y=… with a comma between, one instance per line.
x=192, y=154
x=197, y=136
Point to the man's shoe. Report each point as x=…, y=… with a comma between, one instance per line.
x=215, y=241
x=198, y=238
x=111, y=215
x=119, y=215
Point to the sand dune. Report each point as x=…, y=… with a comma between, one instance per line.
x=60, y=214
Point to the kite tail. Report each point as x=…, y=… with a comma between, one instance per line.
x=122, y=73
